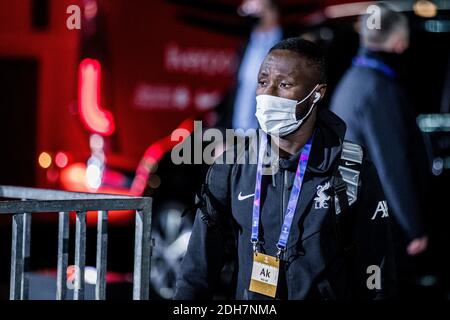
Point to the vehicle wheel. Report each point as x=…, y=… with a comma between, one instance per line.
x=171, y=233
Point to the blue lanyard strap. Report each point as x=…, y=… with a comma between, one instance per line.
x=293, y=198
x=257, y=199
x=374, y=64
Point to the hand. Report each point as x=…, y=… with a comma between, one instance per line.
x=417, y=246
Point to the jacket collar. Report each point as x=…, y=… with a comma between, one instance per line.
x=392, y=60
x=327, y=144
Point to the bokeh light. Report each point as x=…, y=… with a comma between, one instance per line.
x=45, y=160
x=61, y=159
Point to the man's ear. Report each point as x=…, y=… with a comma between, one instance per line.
x=322, y=89
x=398, y=43
x=400, y=46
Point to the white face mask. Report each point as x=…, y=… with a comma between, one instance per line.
x=276, y=115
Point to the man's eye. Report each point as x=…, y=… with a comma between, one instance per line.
x=285, y=85
x=262, y=83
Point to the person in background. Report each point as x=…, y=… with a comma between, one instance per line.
x=378, y=116
x=238, y=109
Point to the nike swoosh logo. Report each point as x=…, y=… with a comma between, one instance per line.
x=241, y=197
x=349, y=163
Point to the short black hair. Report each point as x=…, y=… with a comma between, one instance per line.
x=307, y=49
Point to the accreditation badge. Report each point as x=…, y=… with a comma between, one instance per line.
x=265, y=274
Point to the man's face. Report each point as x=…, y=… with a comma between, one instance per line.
x=286, y=74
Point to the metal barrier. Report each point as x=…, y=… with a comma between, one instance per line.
x=33, y=201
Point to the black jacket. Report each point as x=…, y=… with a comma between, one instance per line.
x=379, y=117
x=315, y=265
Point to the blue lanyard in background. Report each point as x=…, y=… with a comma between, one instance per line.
x=371, y=63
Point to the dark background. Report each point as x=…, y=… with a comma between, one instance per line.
x=39, y=59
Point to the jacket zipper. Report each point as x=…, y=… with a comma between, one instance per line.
x=284, y=183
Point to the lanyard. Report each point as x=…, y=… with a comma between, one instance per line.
x=293, y=198
x=374, y=64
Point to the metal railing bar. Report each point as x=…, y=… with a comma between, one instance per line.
x=36, y=206
x=63, y=256
x=80, y=255
x=141, y=276
x=102, y=247
x=24, y=290
x=48, y=194
x=16, y=257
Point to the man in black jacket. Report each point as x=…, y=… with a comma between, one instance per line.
x=282, y=229
x=379, y=117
